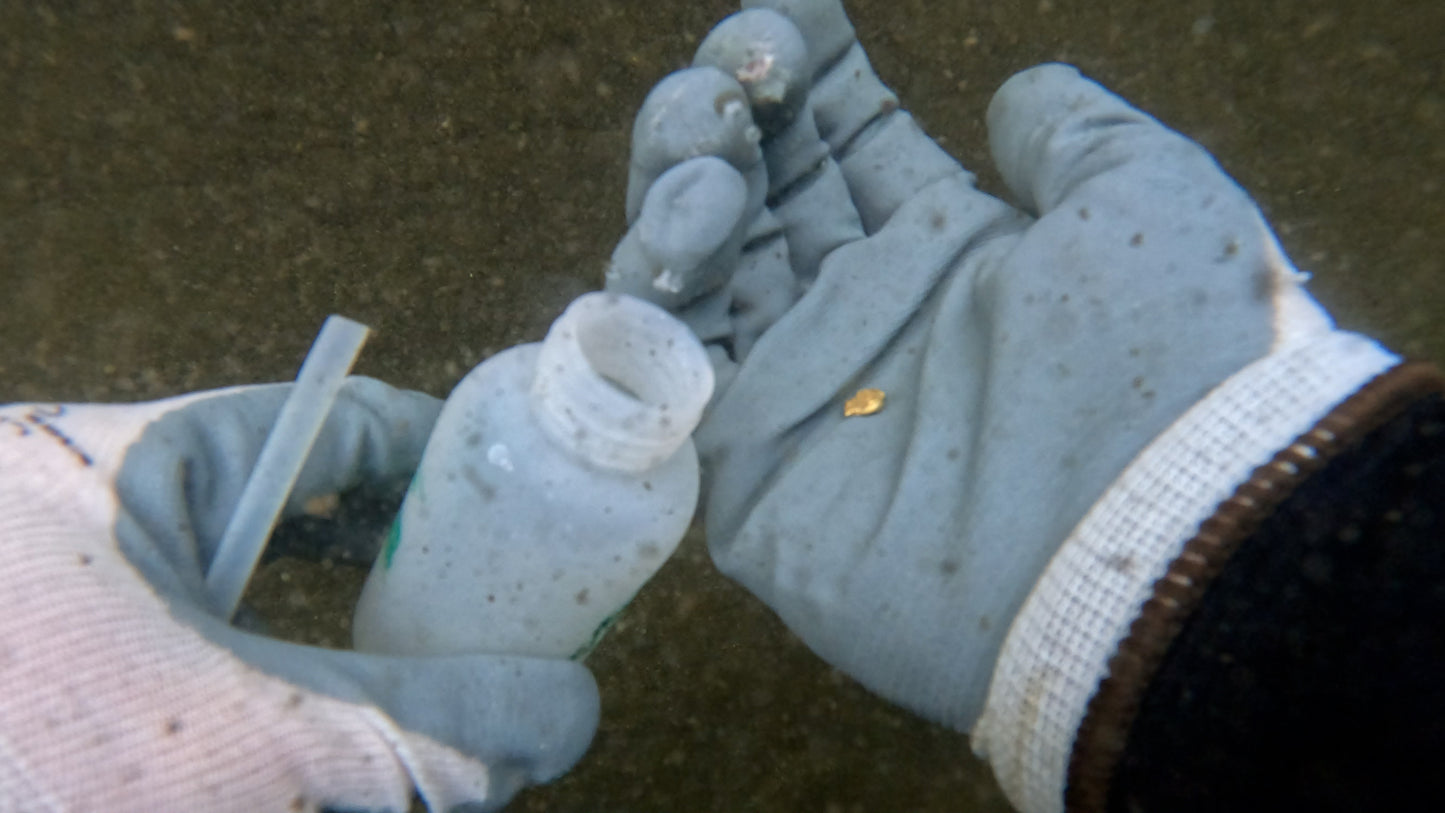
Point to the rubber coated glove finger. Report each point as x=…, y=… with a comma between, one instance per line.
x=694, y=147
x=807, y=194
x=695, y=200
x=685, y=241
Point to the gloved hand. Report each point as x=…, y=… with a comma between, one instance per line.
x=124, y=692
x=1079, y=378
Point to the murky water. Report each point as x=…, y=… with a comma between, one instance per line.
x=186, y=193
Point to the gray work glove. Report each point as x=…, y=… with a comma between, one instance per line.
x=124, y=692
x=1121, y=345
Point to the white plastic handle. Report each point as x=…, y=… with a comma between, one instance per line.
x=279, y=464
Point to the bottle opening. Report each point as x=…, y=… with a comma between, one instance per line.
x=620, y=381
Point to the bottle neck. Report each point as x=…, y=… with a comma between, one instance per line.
x=620, y=382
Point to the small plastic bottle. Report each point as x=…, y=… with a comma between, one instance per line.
x=559, y=477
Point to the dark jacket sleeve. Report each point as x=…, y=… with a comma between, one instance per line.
x=1303, y=665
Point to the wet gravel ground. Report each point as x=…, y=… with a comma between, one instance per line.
x=187, y=190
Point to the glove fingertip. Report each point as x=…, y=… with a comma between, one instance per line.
x=1050, y=129
x=696, y=111
x=765, y=53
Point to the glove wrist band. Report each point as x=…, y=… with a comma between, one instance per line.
x=1059, y=646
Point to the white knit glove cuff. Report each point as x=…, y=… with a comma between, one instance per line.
x=1058, y=647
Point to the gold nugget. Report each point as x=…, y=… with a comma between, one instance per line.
x=866, y=402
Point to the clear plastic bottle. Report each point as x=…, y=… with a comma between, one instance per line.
x=559, y=477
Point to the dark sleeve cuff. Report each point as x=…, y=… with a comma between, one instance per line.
x=1293, y=657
